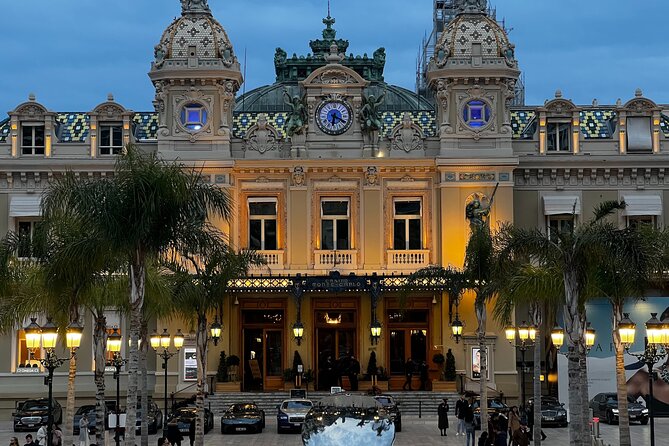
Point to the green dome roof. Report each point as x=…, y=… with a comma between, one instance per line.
x=269, y=99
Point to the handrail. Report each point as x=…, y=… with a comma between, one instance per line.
x=478, y=383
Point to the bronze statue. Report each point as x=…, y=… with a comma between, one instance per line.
x=297, y=119
x=370, y=113
x=476, y=212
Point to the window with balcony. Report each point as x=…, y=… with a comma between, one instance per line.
x=335, y=228
x=263, y=224
x=558, y=136
x=407, y=224
x=32, y=139
x=111, y=139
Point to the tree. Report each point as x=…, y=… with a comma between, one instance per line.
x=145, y=211
x=573, y=251
x=201, y=276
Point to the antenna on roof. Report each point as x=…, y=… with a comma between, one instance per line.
x=328, y=8
x=244, y=90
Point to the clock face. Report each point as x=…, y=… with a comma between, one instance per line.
x=334, y=117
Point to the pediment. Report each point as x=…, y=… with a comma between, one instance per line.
x=109, y=111
x=30, y=109
x=560, y=107
x=641, y=105
x=335, y=74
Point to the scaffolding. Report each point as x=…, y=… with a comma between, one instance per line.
x=444, y=11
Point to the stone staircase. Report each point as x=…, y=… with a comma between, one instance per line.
x=411, y=403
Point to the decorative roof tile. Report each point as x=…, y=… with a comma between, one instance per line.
x=72, y=127
x=520, y=120
x=4, y=130
x=598, y=124
x=664, y=125
x=146, y=125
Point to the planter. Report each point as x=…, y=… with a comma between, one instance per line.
x=444, y=386
x=229, y=387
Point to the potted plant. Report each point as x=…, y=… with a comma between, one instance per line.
x=233, y=362
x=449, y=375
x=222, y=372
x=227, y=374
x=439, y=360
x=308, y=377
x=450, y=371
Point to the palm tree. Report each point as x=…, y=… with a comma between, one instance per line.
x=633, y=258
x=201, y=279
x=146, y=209
x=573, y=251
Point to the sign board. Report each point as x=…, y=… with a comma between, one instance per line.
x=300, y=368
x=190, y=364
x=298, y=394
x=476, y=364
x=111, y=420
x=335, y=283
x=255, y=369
x=335, y=390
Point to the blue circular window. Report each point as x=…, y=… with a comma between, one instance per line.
x=194, y=116
x=476, y=114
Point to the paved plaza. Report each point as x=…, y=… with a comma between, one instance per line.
x=415, y=432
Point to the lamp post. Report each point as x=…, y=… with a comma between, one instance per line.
x=162, y=342
x=114, y=341
x=48, y=335
x=656, y=348
x=557, y=336
x=456, y=327
x=527, y=336
x=216, y=330
x=375, y=331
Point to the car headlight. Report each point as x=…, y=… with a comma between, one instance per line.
x=645, y=411
x=563, y=413
x=614, y=411
x=283, y=416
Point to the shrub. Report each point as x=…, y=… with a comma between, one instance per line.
x=222, y=372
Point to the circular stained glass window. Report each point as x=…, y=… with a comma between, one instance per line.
x=194, y=116
x=476, y=114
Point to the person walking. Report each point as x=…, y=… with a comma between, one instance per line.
x=442, y=412
x=29, y=441
x=514, y=423
x=469, y=426
x=57, y=436
x=41, y=435
x=460, y=406
x=353, y=372
x=424, y=375
x=483, y=439
x=191, y=432
x=408, y=373
x=13, y=441
x=520, y=437
x=174, y=434
x=83, y=431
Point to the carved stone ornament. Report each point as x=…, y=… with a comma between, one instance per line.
x=189, y=6
x=407, y=137
x=193, y=96
x=641, y=105
x=109, y=111
x=262, y=137
x=473, y=6
x=298, y=176
x=334, y=76
x=372, y=176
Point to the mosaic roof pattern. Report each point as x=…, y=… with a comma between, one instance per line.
x=467, y=29
x=146, y=125
x=424, y=119
x=201, y=31
x=598, y=124
x=72, y=127
x=664, y=125
x=4, y=130
x=520, y=119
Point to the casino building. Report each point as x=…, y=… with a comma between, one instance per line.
x=345, y=184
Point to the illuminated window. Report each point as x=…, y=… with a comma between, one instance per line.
x=194, y=116
x=558, y=136
x=407, y=224
x=476, y=114
x=32, y=139
x=262, y=224
x=335, y=214
x=111, y=139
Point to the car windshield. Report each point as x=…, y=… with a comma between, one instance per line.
x=243, y=407
x=35, y=405
x=86, y=410
x=296, y=405
x=496, y=404
x=386, y=401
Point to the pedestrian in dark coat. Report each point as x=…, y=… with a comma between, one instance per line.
x=353, y=372
x=408, y=373
x=173, y=434
x=442, y=411
x=424, y=375
x=191, y=432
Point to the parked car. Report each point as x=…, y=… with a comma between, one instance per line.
x=494, y=407
x=154, y=418
x=89, y=411
x=185, y=414
x=605, y=406
x=392, y=407
x=244, y=417
x=553, y=412
x=291, y=414
x=31, y=414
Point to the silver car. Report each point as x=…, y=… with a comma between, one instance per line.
x=291, y=414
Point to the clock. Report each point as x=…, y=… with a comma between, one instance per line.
x=334, y=117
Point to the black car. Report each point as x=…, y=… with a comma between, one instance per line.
x=553, y=412
x=605, y=406
x=246, y=417
x=154, y=418
x=32, y=414
x=494, y=407
x=184, y=416
x=89, y=411
x=392, y=407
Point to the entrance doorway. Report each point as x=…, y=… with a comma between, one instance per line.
x=263, y=349
x=408, y=332
x=336, y=342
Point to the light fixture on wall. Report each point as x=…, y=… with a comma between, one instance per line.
x=456, y=327
x=375, y=330
x=216, y=330
x=298, y=331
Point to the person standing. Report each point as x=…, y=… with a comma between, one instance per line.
x=353, y=372
x=442, y=412
x=83, y=431
x=57, y=436
x=41, y=435
x=408, y=373
x=460, y=406
x=469, y=425
x=173, y=434
x=191, y=432
x=13, y=441
x=424, y=375
x=29, y=441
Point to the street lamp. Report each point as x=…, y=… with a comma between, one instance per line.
x=527, y=336
x=163, y=341
x=656, y=348
x=114, y=342
x=48, y=335
x=557, y=336
x=216, y=329
x=298, y=331
x=375, y=329
x=457, y=327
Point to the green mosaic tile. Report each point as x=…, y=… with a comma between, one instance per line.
x=598, y=124
x=520, y=119
x=72, y=127
x=145, y=125
x=4, y=130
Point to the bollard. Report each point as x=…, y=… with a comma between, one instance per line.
x=595, y=427
x=420, y=409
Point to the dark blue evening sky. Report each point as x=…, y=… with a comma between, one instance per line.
x=71, y=53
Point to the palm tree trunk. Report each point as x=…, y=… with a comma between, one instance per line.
x=482, y=320
x=575, y=332
x=137, y=286
x=143, y=347
x=536, y=312
x=99, y=347
x=69, y=405
x=625, y=438
x=201, y=353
